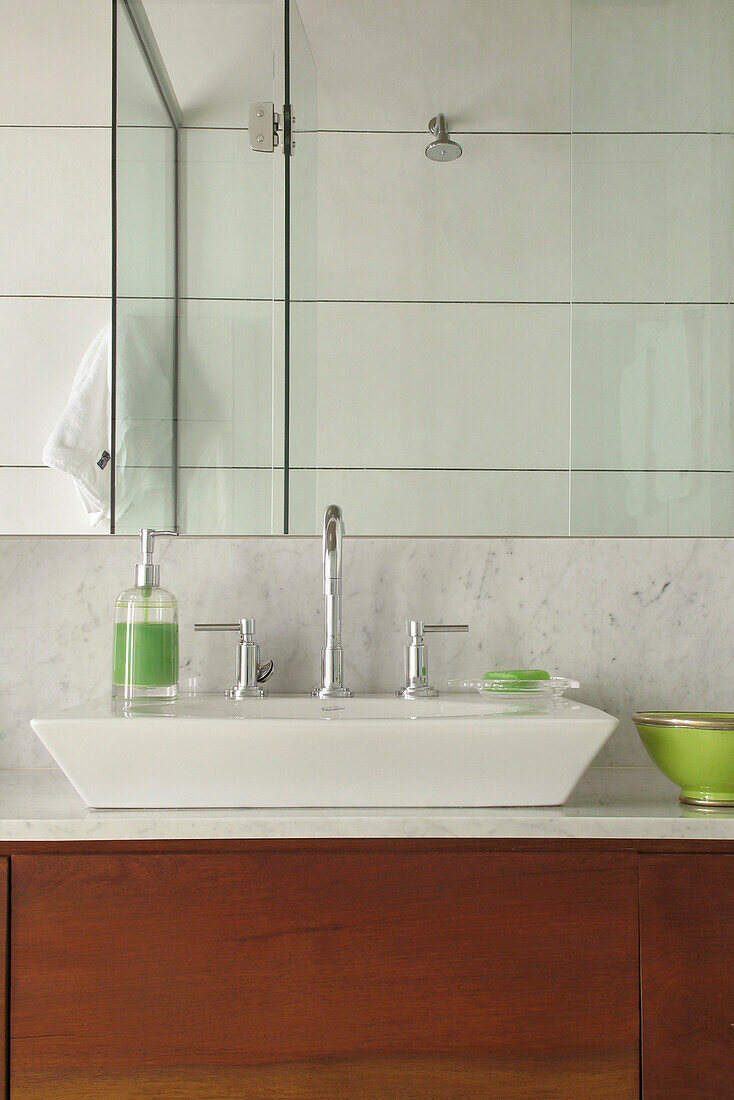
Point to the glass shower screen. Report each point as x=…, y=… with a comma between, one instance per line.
x=144, y=360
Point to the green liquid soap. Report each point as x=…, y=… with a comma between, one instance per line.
x=145, y=654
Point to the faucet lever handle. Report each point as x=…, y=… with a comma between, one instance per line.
x=416, y=684
x=249, y=672
x=246, y=628
x=445, y=628
x=417, y=628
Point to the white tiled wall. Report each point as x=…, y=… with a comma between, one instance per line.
x=652, y=503
x=229, y=390
x=55, y=63
x=432, y=300
x=487, y=64
x=55, y=113
x=146, y=315
x=641, y=65
x=526, y=307
x=653, y=233
x=652, y=387
x=652, y=217
x=441, y=319
x=146, y=172
x=437, y=283
x=434, y=377
x=55, y=211
x=37, y=501
x=231, y=351
x=227, y=499
x=55, y=218
x=228, y=215
x=491, y=226
x=232, y=41
x=43, y=340
x=446, y=502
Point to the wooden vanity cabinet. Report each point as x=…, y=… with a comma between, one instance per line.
x=687, y=976
x=4, y=973
x=350, y=970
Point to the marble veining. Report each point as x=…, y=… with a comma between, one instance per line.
x=639, y=803
x=641, y=623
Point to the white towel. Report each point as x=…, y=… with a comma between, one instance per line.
x=659, y=406
x=144, y=411
x=79, y=445
x=80, y=442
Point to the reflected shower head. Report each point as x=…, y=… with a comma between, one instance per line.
x=443, y=148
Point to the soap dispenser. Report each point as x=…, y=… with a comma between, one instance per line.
x=145, y=650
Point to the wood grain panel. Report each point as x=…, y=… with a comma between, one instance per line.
x=404, y=1078
x=307, y=974
x=687, y=961
x=4, y=976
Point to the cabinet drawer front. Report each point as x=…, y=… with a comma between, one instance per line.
x=4, y=882
x=352, y=974
x=687, y=959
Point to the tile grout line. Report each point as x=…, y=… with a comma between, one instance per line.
x=408, y=469
x=667, y=303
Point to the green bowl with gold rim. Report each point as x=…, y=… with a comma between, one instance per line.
x=693, y=748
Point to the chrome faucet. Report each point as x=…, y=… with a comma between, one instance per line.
x=331, y=686
x=249, y=673
x=416, y=684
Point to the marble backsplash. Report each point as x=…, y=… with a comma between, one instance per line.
x=642, y=623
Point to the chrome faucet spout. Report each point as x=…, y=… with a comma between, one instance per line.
x=332, y=548
x=331, y=685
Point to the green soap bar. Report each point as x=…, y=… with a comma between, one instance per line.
x=514, y=679
x=146, y=654
x=518, y=674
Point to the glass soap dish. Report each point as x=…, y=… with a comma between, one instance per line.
x=555, y=686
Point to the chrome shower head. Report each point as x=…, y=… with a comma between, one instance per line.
x=443, y=148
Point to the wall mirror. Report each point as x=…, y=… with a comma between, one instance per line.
x=463, y=266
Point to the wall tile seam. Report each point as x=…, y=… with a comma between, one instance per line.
x=368, y=468
x=317, y=538
x=218, y=298
x=64, y=297
x=55, y=126
x=530, y=133
x=522, y=302
x=564, y=303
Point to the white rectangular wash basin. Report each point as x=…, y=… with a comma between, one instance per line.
x=294, y=751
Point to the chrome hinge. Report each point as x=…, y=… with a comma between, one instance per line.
x=289, y=138
x=264, y=127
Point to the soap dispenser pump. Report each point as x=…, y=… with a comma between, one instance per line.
x=145, y=650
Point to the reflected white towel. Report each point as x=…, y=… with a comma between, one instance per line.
x=673, y=436
x=144, y=409
x=80, y=442
x=659, y=407
x=79, y=445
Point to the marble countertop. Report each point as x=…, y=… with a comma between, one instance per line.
x=639, y=803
